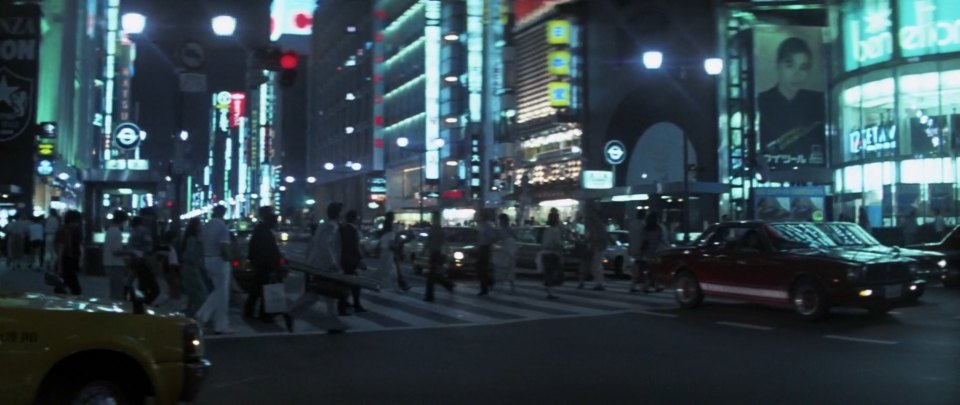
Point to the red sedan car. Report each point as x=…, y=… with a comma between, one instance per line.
x=789, y=265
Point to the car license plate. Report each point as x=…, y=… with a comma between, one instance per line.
x=892, y=291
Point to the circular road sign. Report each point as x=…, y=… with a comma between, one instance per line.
x=44, y=167
x=193, y=55
x=614, y=152
x=127, y=135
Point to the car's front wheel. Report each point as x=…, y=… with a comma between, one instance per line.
x=687, y=290
x=809, y=301
x=99, y=392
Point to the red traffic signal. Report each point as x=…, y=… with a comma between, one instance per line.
x=289, y=60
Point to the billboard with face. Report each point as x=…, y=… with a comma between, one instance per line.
x=789, y=78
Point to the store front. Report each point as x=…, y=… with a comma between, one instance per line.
x=896, y=112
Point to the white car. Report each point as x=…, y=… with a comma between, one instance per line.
x=617, y=256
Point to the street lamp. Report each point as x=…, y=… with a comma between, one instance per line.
x=713, y=66
x=184, y=135
x=289, y=179
x=311, y=179
x=652, y=59
x=223, y=25
x=133, y=23
x=438, y=143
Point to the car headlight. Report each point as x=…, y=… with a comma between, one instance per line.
x=942, y=263
x=193, y=345
x=284, y=236
x=854, y=273
x=458, y=255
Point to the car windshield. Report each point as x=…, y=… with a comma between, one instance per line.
x=848, y=234
x=460, y=235
x=788, y=236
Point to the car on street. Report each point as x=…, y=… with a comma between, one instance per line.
x=369, y=243
x=950, y=247
x=459, y=250
x=931, y=266
x=785, y=264
x=528, y=245
x=59, y=349
x=617, y=255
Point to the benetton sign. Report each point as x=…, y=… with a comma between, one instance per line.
x=925, y=27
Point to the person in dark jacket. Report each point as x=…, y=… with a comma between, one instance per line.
x=266, y=260
x=351, y=258
x=69, y=241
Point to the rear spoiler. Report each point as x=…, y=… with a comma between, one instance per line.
x=368, y=283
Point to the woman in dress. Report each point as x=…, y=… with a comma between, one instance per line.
x=191, y=272
x=387, y=266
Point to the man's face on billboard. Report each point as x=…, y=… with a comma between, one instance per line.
x=794, y=70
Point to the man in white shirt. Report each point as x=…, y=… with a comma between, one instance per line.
x=112, y=262
x=216, y=258
x=324, y=255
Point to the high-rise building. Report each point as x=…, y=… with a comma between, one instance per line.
x=342, y=152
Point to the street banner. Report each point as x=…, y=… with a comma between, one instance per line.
x=789, y=78
x=19, y=71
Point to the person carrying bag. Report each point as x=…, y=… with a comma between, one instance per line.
x=550, y=260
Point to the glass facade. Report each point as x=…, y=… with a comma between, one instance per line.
x=896, y=113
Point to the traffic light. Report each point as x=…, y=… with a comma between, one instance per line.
x=275, y=59
x=288, y=64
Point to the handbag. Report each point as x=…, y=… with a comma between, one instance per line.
x=274, y=298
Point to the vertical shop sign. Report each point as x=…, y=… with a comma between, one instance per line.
x=476, y=166
x=432, y=45
x=790, y=86
x=19, y=71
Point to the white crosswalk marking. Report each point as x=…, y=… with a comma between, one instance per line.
x=407, y=310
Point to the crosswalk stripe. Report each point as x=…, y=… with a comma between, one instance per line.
x=601, y=299
x=414, y=299
x=622, y=296
x=376, y=308
x=407, y=306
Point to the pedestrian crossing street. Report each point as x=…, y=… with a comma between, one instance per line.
x=390, y=310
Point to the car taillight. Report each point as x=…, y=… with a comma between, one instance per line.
x=283, y=262
x=235, y=263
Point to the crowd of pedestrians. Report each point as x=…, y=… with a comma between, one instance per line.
x=196, y=264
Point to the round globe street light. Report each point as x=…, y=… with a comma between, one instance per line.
x=652, y=59
x=328, y=166
x=223, y=25
x=356, y=166
x=403, y=142
x=311, y=179
x=283, y=188
x=133, y=23
x=184, y=135
x=311, y=201
x=438, y=143
x=289, y=179
x=713, y=66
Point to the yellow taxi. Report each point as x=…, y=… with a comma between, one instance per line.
x=80, y=350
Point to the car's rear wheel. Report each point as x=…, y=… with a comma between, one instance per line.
x=809, y=301
x=687, y=290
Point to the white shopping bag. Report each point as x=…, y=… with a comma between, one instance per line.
x=274, y=298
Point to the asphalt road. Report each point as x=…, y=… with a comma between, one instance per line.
x=720, y=353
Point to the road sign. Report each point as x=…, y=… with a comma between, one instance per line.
x=192, y=55
x=614, y=152
x=193, y=82
x=597, y=179
x=127, y=135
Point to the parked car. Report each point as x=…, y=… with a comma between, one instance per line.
x=369, y=243
x=950, y=247
x=79, y=350
x=617, y=256
x=931, y=266
x=790, y=264
x=459, y=250
x=528, y=245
